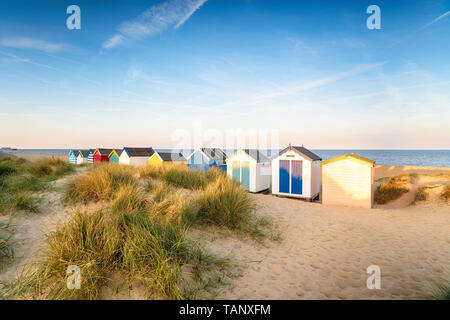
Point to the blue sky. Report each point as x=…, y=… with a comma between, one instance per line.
x=152, y=72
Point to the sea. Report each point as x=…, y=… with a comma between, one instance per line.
x=425, y=158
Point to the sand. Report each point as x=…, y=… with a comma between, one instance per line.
x=325, y=251
x=388, y=171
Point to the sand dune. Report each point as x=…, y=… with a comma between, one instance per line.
x=325, y=251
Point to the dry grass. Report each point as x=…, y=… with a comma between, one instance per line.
x=139, y=236
x=6, y=248
x=445, y=195
x=421, y=195
x=100, y=183
x=19, y=179
x=393, y=188
x=226, y=203
x=135, y=244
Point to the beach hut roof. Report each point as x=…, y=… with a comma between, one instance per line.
x=138, y=152
x=255, y=154
x=84, y=153
x=103, y=151
x=351, y=156
x=114, y=151
x=302, y=151
x=171, y=156
x=214, y=153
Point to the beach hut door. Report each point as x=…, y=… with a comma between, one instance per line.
x=237, y=171
x=296, y=177
x=245, y=174
x=241, y=173
x=284, y=176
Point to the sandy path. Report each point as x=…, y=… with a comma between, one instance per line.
x=325, y=251
x=30, y=228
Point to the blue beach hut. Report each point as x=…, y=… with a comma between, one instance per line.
x=205, y=158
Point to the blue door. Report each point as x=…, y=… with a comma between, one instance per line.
x=236, y=171
x=296, y=177
x=284, y=176
x=245, y=178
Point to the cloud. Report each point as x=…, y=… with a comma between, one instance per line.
x=35, y=44
x=113, y=41
x=295, y=88
x=442, y=16
x=155, y=20
x=15, y=58
x=132, y=75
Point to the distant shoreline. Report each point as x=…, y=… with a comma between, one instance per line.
x=389, y=157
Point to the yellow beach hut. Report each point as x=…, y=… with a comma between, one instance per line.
x=348, y=180
x=160, y=157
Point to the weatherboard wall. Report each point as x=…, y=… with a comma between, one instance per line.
x=347, y=182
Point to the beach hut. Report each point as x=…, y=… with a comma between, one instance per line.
x=101, y=155
x=296, y=173
x=82, y=156
x=73, y=156
x=114, y=156
x=348, y=180
x=251, y=168
x=204, y=158
x=91, y=156
x=160, y=157
x=135, y=156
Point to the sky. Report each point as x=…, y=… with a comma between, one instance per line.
x=234, y=73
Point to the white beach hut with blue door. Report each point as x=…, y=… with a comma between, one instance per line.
x=205, y=158
x=251, y=168
x=296, y=173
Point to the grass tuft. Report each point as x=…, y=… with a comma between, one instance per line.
x=6, y=248
x=392, y=189
x=226, y=203
x=104, y=243
x=441, y=291
x=445, y=195
x=420, y=195
x=100, y=183
x=51, y=168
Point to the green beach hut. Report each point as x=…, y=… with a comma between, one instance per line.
x=114, y=156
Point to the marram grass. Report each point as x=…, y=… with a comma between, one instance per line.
x=100, y=183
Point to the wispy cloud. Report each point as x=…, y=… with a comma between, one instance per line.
x=442, y=16
x=34, y=44
x=113, y=41
x=295, y=88
x=155, y=20
x=16, y=58
x=132, y=75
